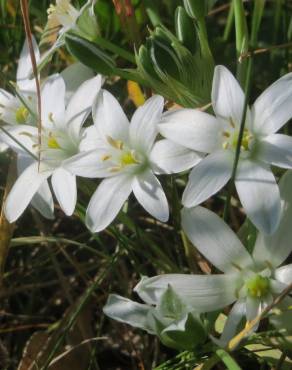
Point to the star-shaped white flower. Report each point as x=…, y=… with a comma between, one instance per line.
x=261, y=147
x=126, y=157
x=12, y=110
x=249, y=280
x=60, y=139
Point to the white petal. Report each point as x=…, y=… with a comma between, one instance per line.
x=276, y=149
x=24, y=135
x=214, y=239
x=53, y=102
x=107, y=201
x=284, y=274
x=65, y=189
x=168, y=157
x=208, y=177
x=3, y=146
x=277, y=287
x=74, y=75
x=23, y=190
x=192, y=128
x=89, y=164
x=24, y=69
x=236, y=314
x=9, y=105
x=143, y=127
x=204, y=293
x=43, y=201
x=5, y=98
x=227, y=95
x=150, y=195
x=109, y=117
x=273, y=108
x=253, y=308
x=126, y=311
x=259, y=194
x=80, y=104
x=277, y=247
x=90, y=139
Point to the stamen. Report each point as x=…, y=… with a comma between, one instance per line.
x=115, y=169
x=105, y=157
x=51, y=117
x=117, y=144
x=232, y=124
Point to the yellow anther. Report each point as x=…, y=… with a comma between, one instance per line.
x=115, y=169
x=105, y=157
x=246, y=138
x=117, y=144
x=51, y=117
x=225, y=145
x=21, y=114
x=232, y=124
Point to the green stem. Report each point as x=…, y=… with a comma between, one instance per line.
x=258, y=10
x=203, y=37
x=239, y=141
x=229, y=23
x=241, y=32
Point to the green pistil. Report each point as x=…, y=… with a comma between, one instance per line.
x=53, y=143
x=258, y=286
x=128, y=158
x=21, y=114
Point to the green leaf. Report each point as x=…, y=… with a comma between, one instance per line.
x=184, y=334
x=185, y=29
x=227, y=360
x=196, y=9
x=90, y=54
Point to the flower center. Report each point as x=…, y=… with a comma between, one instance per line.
x=21, y=114
x=121, y=156
x=246, y=138
x=128, y=158
x=52, y=142
x=230, y=138
x=258, y=286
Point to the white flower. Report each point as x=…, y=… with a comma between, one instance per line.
x=124, y=154
x=171, y=320
x=261, y=146
x=60, y=140
x=63, y=13
x=12, y=110
x=249, y=280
